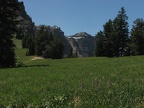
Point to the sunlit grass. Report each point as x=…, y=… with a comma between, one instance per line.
x=97, y=82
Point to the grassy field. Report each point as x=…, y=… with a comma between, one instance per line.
x=73, y=83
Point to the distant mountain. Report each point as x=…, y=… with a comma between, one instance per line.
x=83, y=44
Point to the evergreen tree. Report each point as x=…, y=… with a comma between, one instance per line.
x=100, y=44
x=24, y=41
x=137, y=37
x=120, y=31
x=71, y=53
x=38, y=41
x=42, y=40
x=109, y=35
x=20, y=33
x=8, y=13
x=114, y=40
x=56, y=49
x=47, y=45
x=30, y=44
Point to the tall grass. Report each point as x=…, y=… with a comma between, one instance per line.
x=78, y=82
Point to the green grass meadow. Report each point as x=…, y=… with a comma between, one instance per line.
x=73, y=83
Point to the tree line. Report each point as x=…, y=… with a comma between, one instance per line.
x=115, y=40
x=43, y=43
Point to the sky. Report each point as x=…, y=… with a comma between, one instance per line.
x=74, y=16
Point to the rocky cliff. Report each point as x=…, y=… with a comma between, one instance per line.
x=26, y=25
x=83, y=44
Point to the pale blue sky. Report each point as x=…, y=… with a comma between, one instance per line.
x=74, y=16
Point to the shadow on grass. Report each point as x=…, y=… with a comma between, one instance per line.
x=24, y=66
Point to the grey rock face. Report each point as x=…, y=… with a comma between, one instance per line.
x=83, y=44
x=26, y=23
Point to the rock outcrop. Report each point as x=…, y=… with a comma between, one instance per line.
x=83, y=44
x=26, y=25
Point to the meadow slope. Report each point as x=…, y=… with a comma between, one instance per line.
x=74, y=82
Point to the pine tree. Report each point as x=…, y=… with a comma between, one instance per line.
x=109, y=35
x=8, y=14
x=56, y=49
x=71, y=53
x=30, y=45
x=137, y=37
x=100, y=44
x=20, y=33
x=114, y=40
x=42, y=41
x=120, y=31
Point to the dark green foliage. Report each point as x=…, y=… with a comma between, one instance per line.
x=42, y=40
x=56, y=49
x=47, y=45
x=24, y=41
x=137, y=37
x=31, y=46
x=114, y=40
x=109, y=36
x=100, y=44
x=8, y=14
x=20, y=33
x=43, y=43
x=121, y=31
x=28, y=42
x=71, y=53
